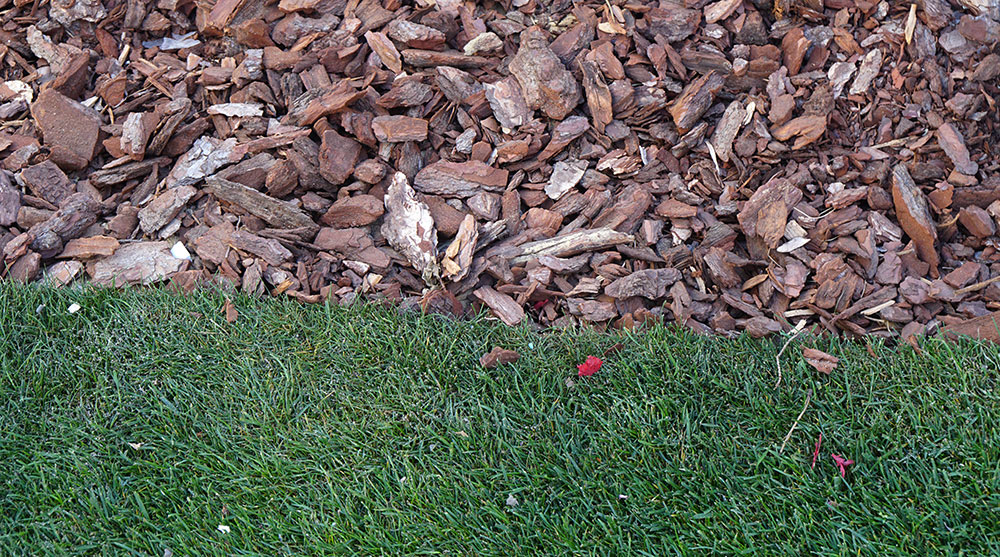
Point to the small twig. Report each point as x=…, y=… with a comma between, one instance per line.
x=777, y=359
x=802, y=413
x=950, y=222
x=978, y=285
x=895, y=142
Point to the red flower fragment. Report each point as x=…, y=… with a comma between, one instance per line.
x=842, y=463
x=590, y=366
x=816, y=452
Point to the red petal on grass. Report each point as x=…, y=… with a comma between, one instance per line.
x=816, y=452
x=590, y=366
x=842, y=463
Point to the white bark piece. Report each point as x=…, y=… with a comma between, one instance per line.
x=138, y=263
x=572, y=243
x=207, y=155
x=409, y=228
x=870, y=67
x=565, y=176
x=238, y=110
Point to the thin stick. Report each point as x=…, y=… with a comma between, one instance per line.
x=978, y=285
x=802, y=413
x=777, y=359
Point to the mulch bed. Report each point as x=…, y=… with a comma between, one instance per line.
x=729, y=166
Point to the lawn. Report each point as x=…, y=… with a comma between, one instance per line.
x=146, y=422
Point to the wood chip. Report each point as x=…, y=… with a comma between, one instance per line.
x=397, y=129
x=565, y=176
x=953, y=144
x=457, y=260
x=914, y=216
x=573, y=243
x=453, y=179
x=544, y=80
x=409, y=228
x=273, y=211
x=502, y=305
x=138, y=263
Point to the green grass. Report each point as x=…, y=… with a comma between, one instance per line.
x=311, y=430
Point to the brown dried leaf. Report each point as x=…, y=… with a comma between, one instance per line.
x=823, y=362
x=229, y=310
x=498, y=356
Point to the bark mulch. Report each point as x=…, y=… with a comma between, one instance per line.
x=730, y=166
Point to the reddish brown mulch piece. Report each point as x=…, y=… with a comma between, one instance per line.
x=729, y=166
x=985, y=327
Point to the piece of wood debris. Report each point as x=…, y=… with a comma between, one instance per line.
x=502, y=305
x=275, y=212
x=409, y=228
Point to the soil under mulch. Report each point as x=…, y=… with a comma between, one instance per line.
x=730, y=166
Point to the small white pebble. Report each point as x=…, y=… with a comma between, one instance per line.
x=224, y=529
x=73, y=308
x=179, y=251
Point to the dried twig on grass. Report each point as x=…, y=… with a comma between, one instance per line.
x=777, y=359
x=796, y=423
